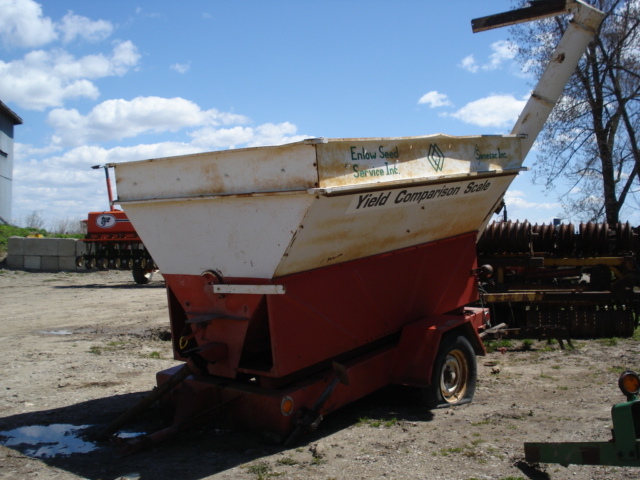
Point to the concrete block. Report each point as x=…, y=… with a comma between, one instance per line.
x=49, y=263
x=41, y=246
x=66, y=247
x=15, y=261
x=81, y=248
x=68, y=264
x=15, y=246
x=32, y=262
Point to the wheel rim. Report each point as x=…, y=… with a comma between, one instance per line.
x=454, y=376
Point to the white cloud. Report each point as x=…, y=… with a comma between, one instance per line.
x=469, y=64
x=181, y=67
x=518, y=198
x=503, y=51
x=65, y=182
x=22, y=24
x=494, y=111
x=118, y=119
x=76, y=26
x=434, y=99
x=44, y=79
x=266, y=134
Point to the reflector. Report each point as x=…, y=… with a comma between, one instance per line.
x=629, y=383
x=286, y=407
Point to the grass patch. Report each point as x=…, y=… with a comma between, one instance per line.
x=494, y=345
x=377, y=422
x=482, y=422
x=616, y=369
x=262, y=471
x=527, y=344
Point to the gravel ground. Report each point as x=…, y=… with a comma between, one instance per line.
x=79, y=348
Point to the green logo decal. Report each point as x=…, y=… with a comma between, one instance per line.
x=435, y=157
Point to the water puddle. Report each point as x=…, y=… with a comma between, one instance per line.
x=56, y=332
x=48, y=441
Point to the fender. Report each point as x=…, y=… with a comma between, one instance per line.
x=420, y=341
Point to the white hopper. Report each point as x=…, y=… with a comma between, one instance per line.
x=272, y=211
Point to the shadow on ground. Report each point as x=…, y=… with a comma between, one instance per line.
x=191, y=455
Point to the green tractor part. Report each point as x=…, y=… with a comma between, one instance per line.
x=621, y=451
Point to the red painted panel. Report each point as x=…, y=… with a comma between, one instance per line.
x=113, y=222
x=330, y=311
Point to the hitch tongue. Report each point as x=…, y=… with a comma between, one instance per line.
x=312, y=418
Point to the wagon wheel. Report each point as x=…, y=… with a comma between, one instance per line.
x=455, y=371
x=142, y=275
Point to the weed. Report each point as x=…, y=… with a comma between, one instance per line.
x=445, y=452
x=482, y=422
x=95, y=350
x=375, y=423
x=262, y=471
x=391, y=422
x=492, y=346
x=527, y=344
x=286, y=461
x=608, y=342
x=363, y=421
x=616, y=369
x=154, y=354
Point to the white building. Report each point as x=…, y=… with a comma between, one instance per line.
x=7, y=121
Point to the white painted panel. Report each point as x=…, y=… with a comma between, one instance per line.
x=237, y=236
x=250, y=170
x=383, y=160
x=342, y=228
x=273, y=211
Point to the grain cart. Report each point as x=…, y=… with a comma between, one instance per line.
x=112, y=242
x=302, y=277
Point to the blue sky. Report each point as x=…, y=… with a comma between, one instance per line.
x=99, y=82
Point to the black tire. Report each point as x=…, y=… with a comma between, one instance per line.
x=141, y=275
x=455, y=371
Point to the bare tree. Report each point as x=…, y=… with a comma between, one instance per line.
x=590, y=140
x=66, y=226
x=35, y=220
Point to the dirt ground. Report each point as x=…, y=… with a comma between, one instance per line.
x=77, y=349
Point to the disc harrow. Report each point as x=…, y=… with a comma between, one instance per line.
x=582, y=281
